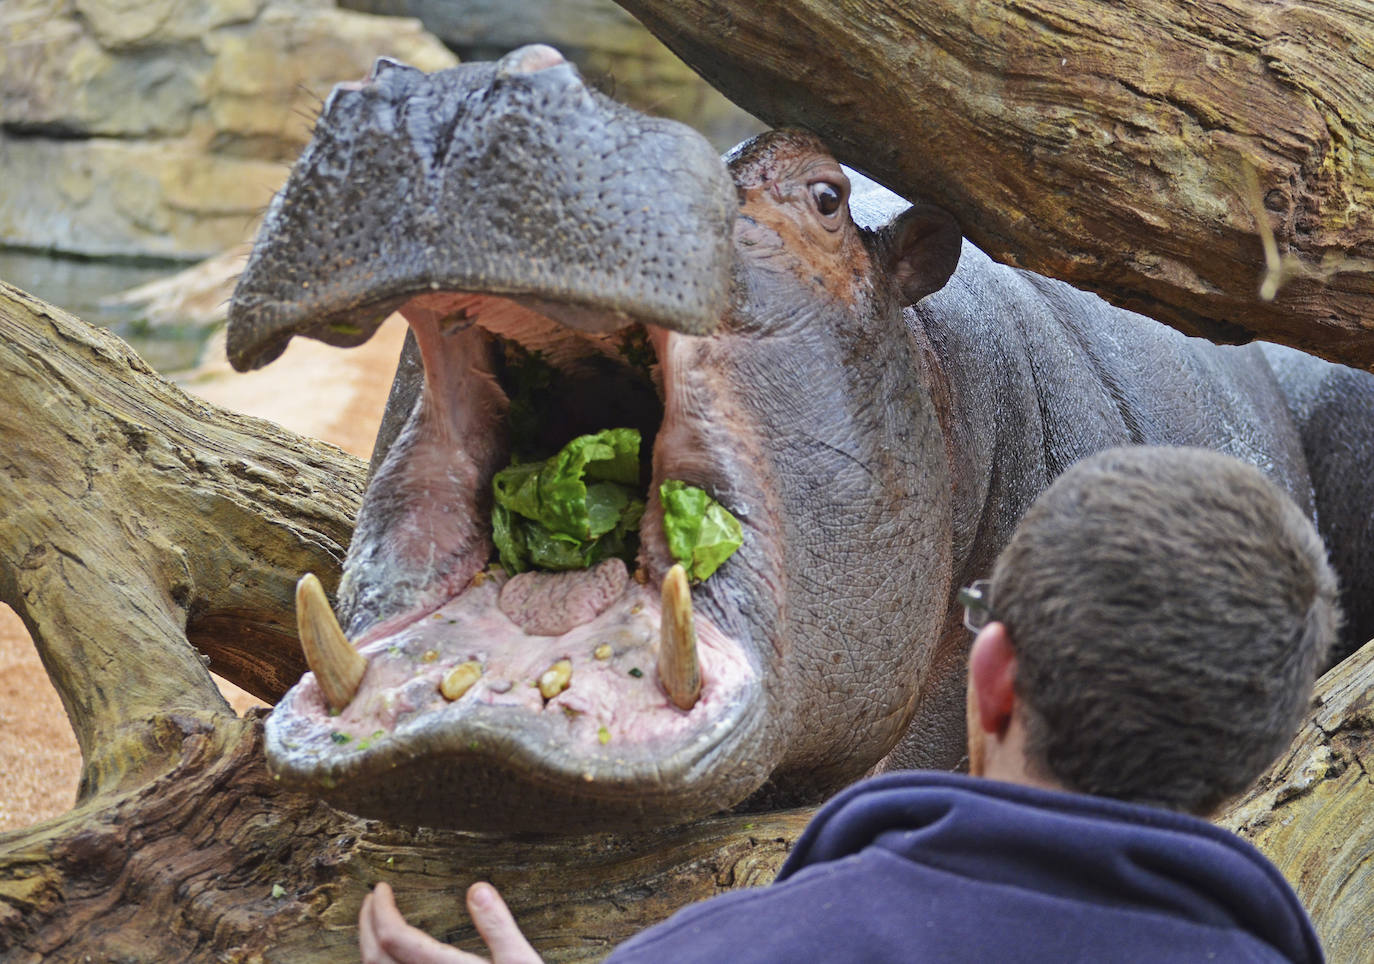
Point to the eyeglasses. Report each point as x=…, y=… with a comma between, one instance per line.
x=977, y=607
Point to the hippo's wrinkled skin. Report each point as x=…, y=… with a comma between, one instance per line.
x=877, y=425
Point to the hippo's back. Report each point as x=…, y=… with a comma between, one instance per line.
x=1052, y=373
x=1032, y=375
x=1045, y=374
x=1333, y=408
x=1164, y=387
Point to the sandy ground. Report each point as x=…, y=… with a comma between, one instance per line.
x=333, y=394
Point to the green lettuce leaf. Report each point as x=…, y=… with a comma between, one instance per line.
x=573, y=510
x=701, y=532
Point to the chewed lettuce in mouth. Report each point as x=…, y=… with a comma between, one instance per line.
x=581, y=506
x=573, y=509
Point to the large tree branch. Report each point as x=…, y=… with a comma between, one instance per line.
x=214, y=861
x=134, y=514
x=1143, y=151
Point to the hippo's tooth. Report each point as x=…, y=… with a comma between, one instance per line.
x=336, y=664
x=555, y=679
x=459, y=680
x=678, y=668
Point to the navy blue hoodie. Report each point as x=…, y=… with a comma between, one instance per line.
x=916, y=866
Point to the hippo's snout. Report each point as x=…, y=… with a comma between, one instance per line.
x=509, y=178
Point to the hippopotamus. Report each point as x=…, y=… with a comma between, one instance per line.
x=874, y=399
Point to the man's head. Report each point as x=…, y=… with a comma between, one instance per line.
x=1161, y=616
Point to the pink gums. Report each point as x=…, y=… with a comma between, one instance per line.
x=614, y=700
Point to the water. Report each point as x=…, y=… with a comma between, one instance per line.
x=79, y=285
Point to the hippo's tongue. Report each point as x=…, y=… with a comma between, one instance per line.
x=554, y=603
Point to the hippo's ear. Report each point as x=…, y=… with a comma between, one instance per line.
x=922, y=246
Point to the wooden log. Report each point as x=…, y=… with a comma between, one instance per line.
x=210, y=860
x=136, y=512
x=1312, y=813
x=1144, y=151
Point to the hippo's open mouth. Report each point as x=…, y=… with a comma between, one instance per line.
x=611, y=695
x=570, y=679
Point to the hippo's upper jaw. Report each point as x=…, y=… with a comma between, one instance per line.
x=509, y=178
x=568, y=266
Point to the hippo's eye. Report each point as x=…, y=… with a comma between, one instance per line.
x=827, y=197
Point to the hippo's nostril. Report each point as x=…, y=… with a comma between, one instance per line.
x=528, y=60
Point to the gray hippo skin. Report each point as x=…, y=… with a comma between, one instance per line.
x=877, y=420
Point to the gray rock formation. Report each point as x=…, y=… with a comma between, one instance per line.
x=160, y=128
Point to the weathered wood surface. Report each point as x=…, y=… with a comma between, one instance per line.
x=209, y=860
x=136, y=521
x=1138, y=150
x=136, y=516
x=1312, y=813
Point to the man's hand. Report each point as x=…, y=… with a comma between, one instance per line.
x=384, y=937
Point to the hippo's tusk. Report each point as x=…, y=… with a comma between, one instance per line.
x=336, y=664
x=678, y=668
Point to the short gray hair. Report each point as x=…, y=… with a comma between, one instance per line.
x=1169, y=609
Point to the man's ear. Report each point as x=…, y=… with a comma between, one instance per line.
x=923, y=244
x=992, y=679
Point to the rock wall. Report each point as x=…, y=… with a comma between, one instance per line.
x=160, y=128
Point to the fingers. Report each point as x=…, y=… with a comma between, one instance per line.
x=498, y=928
x=368, y=947
x=384, y=937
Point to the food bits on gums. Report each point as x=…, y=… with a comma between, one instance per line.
x=460, y=679
x=555, y=679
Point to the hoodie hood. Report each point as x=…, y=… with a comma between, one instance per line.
x=1090, y=853
x=916, y=866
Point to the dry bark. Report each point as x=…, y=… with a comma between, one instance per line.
x=211, y=860
x=140, y=525
x=1139, y=150
x=1312, y=813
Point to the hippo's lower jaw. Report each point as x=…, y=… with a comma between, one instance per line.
x=490, y=703
x=578, y=719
